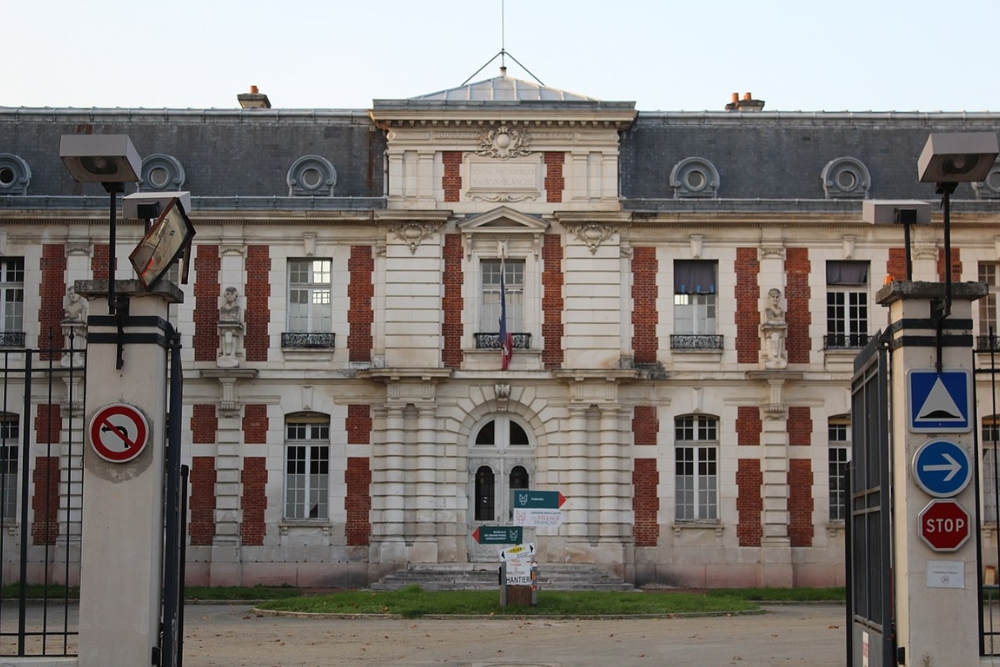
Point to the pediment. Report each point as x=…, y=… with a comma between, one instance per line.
x=503, y=220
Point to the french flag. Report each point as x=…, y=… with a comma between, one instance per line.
x=506, y=338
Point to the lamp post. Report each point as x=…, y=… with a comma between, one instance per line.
x=947, y=160
x=112, y=161
x=904, y=212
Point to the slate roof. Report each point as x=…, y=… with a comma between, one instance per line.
x=504, y=89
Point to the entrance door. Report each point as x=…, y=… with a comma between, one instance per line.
x=501, y=461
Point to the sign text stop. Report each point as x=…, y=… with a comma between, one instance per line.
x=944, y=525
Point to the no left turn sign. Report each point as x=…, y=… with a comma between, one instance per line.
x=118, y=432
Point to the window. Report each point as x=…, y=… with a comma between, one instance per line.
x=839, y=429
x=489, y=311
x=694, y=306
x=9, y=438
x=504, y=449
x=310, y=304
x=307, y=467
x=988, y=308
x=990, y=440
x=12, y=302
x=697, y=476
x=846, y=305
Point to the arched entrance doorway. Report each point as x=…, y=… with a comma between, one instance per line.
x=501, y=460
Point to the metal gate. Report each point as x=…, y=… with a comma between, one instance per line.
x=41, y=485
x=986, y=455
x=870, y=636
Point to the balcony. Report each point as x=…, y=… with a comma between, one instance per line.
x=695, y=342
x=491, y=341
x=11, y=339
x=845, y=341
x=988, y=343
x=308, y=341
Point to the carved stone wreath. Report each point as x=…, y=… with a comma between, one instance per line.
x=412, y=233
x=593, y=234
x=503, y=143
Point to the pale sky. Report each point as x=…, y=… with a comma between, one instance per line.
x=855, y=55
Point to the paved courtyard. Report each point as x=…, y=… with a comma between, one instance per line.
x=236, y=636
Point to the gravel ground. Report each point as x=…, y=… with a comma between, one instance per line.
x=237, y=636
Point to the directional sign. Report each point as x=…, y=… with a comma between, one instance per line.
x=944, y=525
x=536, y=517
x=527, y=499
x=498, y=534
x=941, y=468
x=118, y=432
x=939, y=402
x=518, y=552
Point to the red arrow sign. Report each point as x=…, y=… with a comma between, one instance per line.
x=562, y=499
x=944, y=525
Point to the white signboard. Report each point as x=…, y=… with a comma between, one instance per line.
x=537, y=517
x=519, y=572
x=945, y=574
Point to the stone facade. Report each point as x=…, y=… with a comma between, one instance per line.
x=363, y=422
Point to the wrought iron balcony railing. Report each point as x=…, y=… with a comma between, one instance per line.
x=695, y=342
x=985, y=344
x=846, y=341
x=491, y=341
x=11, y=339
x=308, y=341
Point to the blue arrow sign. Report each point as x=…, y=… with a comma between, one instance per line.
x=941, y=468
x=541, y=500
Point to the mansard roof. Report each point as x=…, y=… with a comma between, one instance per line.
x=504, y=88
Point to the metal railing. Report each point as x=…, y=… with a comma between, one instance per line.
x=491, y=341
x=308, y=341
x=11, y=339
x=845, y=341
x=695, y=342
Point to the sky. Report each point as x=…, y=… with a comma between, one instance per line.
x=796, y=55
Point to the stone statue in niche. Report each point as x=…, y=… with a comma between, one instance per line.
x=773, y=330
x=76, y=306
x=230, y=330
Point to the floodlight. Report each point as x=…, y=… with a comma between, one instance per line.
x=100, y=158
x=891, y=211
x=964, y=157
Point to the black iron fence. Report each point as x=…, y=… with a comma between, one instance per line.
x=41, y=485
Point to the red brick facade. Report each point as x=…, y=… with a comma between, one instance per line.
x=749, y=504
x=99, y=262
x=358, y=502
x=360, y=313
x=800, y=502
x=896, y=266
x=554, y=181
x=52, y=290
x=255, y=424
x=799, y=426
x=48, y=424
x=452, y=303
x=258, y=314
x=644, y=314
x=451, y=182
x=359, y=424
x=254, y=501
x=201, y=504
x=646, y=503
x=206, y=302
x=204, y=424
x=747, y=306
x=797, y=315
x=956, y=265
x=45, y=501
x=552, y=302
x=645, y=425
x=748, y=425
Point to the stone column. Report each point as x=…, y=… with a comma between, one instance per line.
x=577, y=493
x=426, y=489
x=936, y=616
x=394, y=487
x=608, y=465
x=122, y=546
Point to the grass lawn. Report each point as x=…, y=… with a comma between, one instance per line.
x=413, y=602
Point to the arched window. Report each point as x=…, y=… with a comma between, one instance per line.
x=485, y=494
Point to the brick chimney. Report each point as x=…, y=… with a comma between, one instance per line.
x=253, y=100
x=746, y=104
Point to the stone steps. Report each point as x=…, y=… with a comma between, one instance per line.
x=483, y=576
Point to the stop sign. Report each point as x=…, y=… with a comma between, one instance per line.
x=944, y=525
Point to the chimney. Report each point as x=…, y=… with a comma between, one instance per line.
x=748, y=103
x=253, y=100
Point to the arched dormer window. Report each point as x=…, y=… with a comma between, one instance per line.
x=311, y=176
x=846, y=178
x=694, y=177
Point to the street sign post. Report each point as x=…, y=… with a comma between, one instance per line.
x=498, y=534
x=537, y=517
x=944, y=525
x=118, y=432
x=528, y=499
x=941, y=468
x=939, y=402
